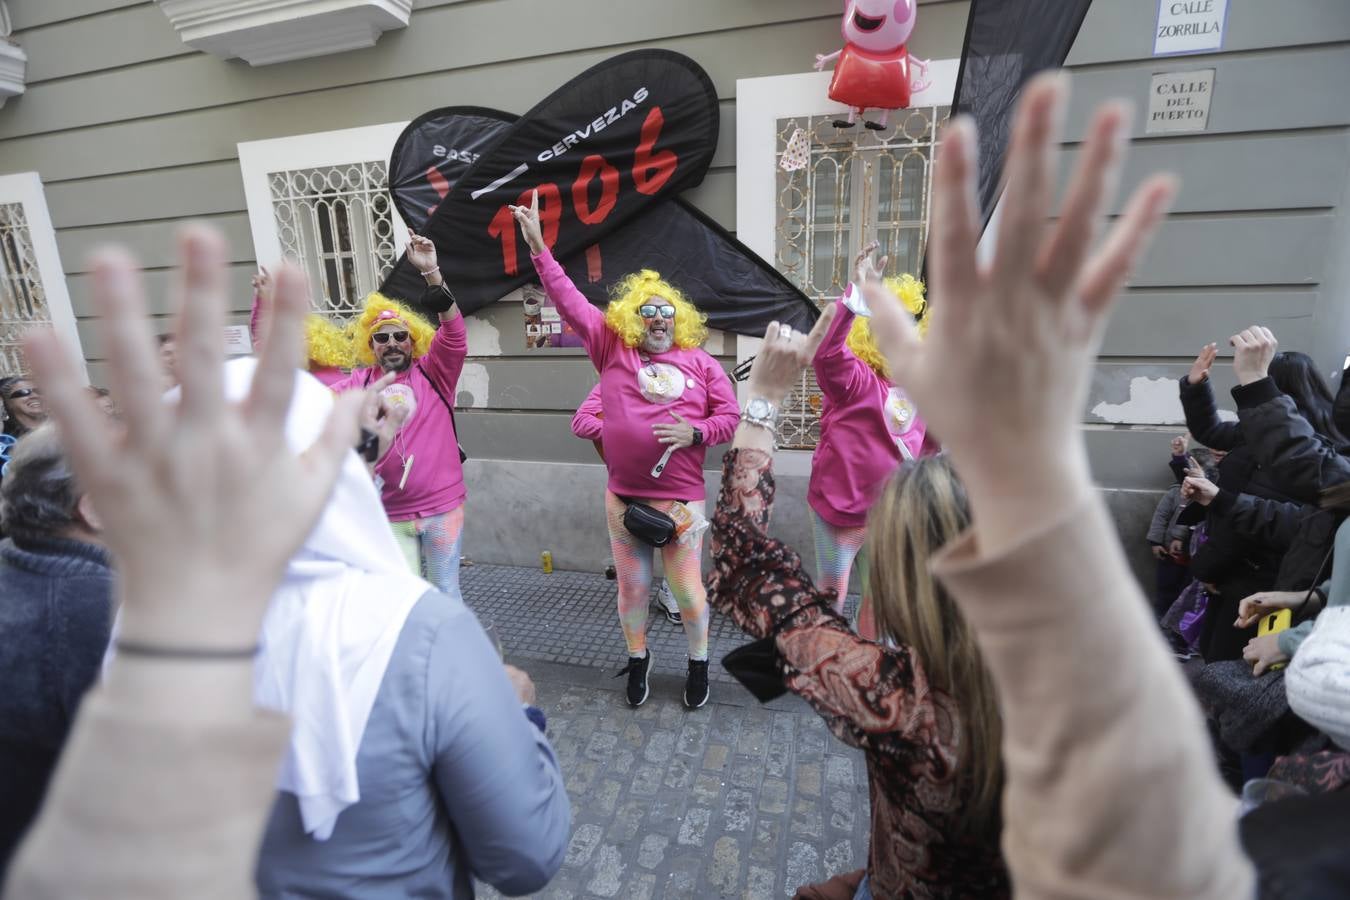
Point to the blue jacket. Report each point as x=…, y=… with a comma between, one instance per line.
x=55, y=617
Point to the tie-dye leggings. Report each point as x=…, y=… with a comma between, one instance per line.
x=836, y=550
x=633, y=563
x=431, y=546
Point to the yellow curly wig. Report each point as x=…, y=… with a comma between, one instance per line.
x=363, y=325
x=636, y=289
x=910, y=292
x=327, y=343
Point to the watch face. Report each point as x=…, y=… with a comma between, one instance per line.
x=759, y=408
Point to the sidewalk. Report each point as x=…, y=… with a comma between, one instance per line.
x=732, y=800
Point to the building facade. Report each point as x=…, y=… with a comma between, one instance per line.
x=130, y=131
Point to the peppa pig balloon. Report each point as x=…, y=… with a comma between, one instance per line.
x=874, y=70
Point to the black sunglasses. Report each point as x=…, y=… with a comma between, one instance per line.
x=21, y=393
x=649, y=311
x=382, y=337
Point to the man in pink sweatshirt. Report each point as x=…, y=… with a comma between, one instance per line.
x=421, y=477
x=665, y=401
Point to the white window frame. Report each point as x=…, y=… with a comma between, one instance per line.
x=25, y=188
x=259, y=159
x=760, y=103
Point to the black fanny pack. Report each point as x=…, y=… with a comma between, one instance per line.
x=647, y=524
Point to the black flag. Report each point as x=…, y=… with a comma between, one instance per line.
x=1007, y=42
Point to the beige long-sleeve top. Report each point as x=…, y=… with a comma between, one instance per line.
x=146, y=806
x=1112, y=790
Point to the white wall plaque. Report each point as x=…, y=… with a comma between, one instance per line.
x=1179, y=101
x=237, y=342
x=1189, y=26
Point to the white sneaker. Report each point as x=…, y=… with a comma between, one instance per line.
x=666, y=600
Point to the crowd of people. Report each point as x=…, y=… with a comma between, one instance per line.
x=330, y=719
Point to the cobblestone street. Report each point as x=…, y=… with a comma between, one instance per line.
x=732, y=800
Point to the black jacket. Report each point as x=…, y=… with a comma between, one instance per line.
x=55, y=617
x=1302, y=533
x=1297, y=460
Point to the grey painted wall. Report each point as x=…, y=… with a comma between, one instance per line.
x=134, y=132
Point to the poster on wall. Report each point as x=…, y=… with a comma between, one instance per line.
x=1189, y=26
x=544, y=327
x=437, y=157
x=1179, y=101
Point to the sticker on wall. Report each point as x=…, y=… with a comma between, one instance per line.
x=1179, y=101
x=1189, y=26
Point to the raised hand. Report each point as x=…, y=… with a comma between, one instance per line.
x=527, y=217
x=1253, y=349
x=1203, y=361
x=866, y=266
x=203, y=502
x=1179, y=445
x=1199, y=489
x=1002, y=376
x=422, y=253
x=785, y=353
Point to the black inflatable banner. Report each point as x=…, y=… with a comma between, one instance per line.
x=633, y=129
x=434, y=152
x=738, y=291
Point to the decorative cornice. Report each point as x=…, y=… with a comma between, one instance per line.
x=262, y=32
x=13, y=65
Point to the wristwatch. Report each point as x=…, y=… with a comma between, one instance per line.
x=698, y=436
x=762, y=413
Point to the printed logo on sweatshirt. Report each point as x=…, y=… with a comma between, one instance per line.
x=661, y=382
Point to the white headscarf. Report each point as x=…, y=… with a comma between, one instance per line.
x=333, y=622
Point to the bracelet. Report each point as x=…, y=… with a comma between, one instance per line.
x=133, y=648
x=430, y=271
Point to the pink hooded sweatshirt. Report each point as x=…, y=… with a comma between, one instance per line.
x=864, y=422
x=639, y=390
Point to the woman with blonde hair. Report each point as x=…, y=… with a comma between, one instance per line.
x=868, y=426
x=921, y=706
x=665, y=400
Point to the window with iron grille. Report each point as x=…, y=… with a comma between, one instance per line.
x=859, y=185
x=23, y=303
x=337, y=221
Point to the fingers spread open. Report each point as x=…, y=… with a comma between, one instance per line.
x=1090, y=192
x=201, y=330
x=86, y=433
x=1126, y=242
x=134, y=372
x=1029, y=175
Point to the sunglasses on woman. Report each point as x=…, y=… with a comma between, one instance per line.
x=382, y=337
x=649, y=311
x=21, y=393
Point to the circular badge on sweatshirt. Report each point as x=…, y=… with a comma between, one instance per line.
x=900, y=412
x=661, y=382
x=396, y=396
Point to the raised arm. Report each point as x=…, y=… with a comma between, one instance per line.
x=572, y=305
x=422, y=254
x=169, y=773
x=838, y=371
x=1202, y=414
x=1297, y=459
x=865, y=692
x=1002, y=375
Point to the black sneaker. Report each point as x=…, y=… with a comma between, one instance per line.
x=636, y=670
x=696, y=684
